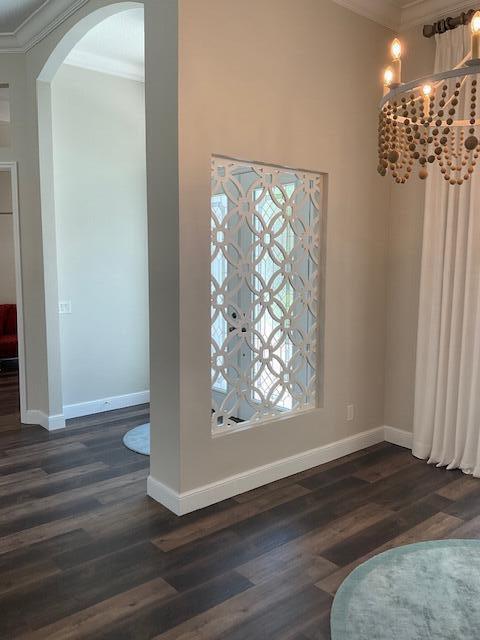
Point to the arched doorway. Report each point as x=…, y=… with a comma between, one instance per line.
x=57, y=401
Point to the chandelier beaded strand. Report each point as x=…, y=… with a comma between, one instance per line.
x=432, y=121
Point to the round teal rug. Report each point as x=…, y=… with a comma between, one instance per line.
x=138, y=439
x=424, y=591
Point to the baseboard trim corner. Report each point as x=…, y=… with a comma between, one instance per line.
x=50, y=423
x=399, y=437
x=56, y=422
x=188, y=501
x=164, y=495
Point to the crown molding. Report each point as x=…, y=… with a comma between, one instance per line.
x=426, y=11
x=417, y=12
x=53, y=12
x=38, y=25
x=103, y=64
x=384, y=12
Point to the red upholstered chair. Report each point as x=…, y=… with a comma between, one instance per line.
x=8, y=331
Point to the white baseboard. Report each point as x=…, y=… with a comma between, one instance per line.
x=105, y=404
x=51, y=423
x=182, y=503
x=165, y=496
x=398, y=436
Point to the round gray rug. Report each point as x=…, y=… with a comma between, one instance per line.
x=424, y=591
x=138, y=439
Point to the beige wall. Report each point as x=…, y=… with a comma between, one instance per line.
x=101, y=228
x=161, y=87
x=7, y=260
x=4, y=134
x=4, y=115
x=295, y=84
x=5, y=192
x=281, y=95
x=405, y=224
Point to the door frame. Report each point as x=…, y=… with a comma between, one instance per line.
x=11, y=167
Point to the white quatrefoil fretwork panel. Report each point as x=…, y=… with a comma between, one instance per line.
x=265, y=223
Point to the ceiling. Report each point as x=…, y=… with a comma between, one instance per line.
x=23, y=23
x=114, y=46
x=13, y=13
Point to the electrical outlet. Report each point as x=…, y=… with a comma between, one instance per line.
x=350, y=412
x=65, y=306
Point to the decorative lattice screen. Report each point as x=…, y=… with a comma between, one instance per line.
x=265, y=282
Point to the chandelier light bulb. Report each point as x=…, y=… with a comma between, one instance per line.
x=396, y=48
x=396, y=66
x=388, y=76
x=427, y=90
x=475, y=24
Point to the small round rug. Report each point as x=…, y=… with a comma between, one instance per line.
x=138, y=439
x=427, y=591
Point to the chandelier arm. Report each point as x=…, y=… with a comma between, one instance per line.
x=464, y=61
x=435, y=86
x=438, y=77
x=456, y=123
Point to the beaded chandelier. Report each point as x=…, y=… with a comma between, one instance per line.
x=431, y=121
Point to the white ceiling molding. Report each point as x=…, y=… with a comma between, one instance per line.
x=38, y=25
x=103, y=64
x=394, y=14
x=384, y=12
x=400, y=15
x=427, y=11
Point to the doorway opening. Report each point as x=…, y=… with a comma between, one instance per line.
x=12, y=354
x=94, y=215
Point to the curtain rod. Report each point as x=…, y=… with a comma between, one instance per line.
x=447, y=24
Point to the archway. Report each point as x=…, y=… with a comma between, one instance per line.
x=47, y=185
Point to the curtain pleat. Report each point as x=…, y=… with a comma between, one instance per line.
x=447, y=384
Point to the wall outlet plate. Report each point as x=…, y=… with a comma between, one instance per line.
x=65, y=306
x=350, y=412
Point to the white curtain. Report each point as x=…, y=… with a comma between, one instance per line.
x=447, y=387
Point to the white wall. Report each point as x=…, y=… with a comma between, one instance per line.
x=7, y=255
x=101, y=225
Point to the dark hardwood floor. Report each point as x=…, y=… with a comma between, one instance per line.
x=85, y=554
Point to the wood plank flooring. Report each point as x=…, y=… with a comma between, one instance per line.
x=84, y=554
